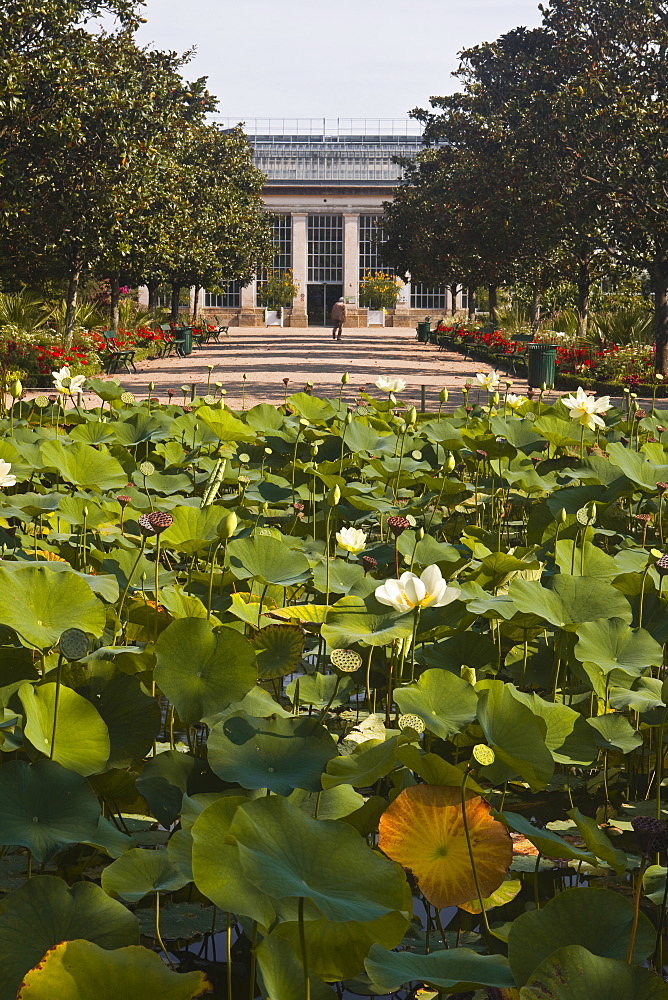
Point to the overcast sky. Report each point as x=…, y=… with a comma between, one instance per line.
x=344, y=58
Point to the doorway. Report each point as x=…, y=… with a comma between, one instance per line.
x=320, y=298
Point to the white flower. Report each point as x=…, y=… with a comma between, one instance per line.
x=514, y=402
x=490, y=380
x=5, y=478
x=410, y=591
x=585, y=409
x=67, y=383
x=390, y=384
x=351, y=539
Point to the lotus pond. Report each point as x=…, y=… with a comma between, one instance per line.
x=327, y=699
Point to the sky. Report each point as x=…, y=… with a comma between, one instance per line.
x=341, y=59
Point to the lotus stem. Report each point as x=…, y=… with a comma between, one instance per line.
x=302, y=945
x=228, y=954
x=483, y=912
x=127, y=587
x=55, y=706
x=636, y=912
x=253, y=964
x=157, y=931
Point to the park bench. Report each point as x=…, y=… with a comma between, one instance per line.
x=514, y=358
x=114, y=357
x=215, y=334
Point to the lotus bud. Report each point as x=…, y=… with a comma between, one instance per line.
x=348, y=419
x=412, y=415
x=443, y=396
x=15, y=389
x=543, y=387
x=151, y=386
x=450, y=462
x=495, y=398
x=265, y=507
x=420, y=534
x=85, y=512
x=228, y=525
x=336, y=495
x=345, y=378
x=562, y=515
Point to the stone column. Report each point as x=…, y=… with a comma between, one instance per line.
x=402, y=314
x=351, y=266
x=299, y=268
x=248, y=314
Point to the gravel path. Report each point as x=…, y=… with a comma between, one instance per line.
x=267, y=356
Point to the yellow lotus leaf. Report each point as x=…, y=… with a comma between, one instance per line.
x=423, y=830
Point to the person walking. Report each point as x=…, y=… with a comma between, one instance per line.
x=338, y=318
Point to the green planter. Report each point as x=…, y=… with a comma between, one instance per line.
x=541, y=360
x=423, y=330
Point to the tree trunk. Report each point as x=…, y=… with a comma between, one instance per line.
x=114, y=298
x=660, y=282
x=152, y=285
x=71, y=304
x=584, y=285
x=453, y=299
x=176, y=291
x=493, y=303
x=534, y=315
x=471, y=303
x=196, y=302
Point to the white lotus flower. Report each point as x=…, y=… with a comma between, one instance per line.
x=390, y=384
x=514, y=402
x=67, y=383
x=586, y=409
x=351, y=539
x=490, y=380
x=410, y=591
x=5, y=478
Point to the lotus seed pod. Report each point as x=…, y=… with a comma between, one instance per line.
x=15, y=388
x=73, y=644
x=41, y=401
x=160, y=520
x=127, y=397
x=417, y=455
x=483, y=754
x=413, y=722
x=244, y=458
x=209, y=400
x=147, y=468
x=346, y=660
x=336, y=495
x=228, y=525
x=443, y=396
x=450, y=462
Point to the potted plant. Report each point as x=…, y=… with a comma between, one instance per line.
x=378, y=292
x=275, y=293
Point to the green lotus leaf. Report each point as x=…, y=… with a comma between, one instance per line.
x=137, y=428
x=275, y=753
x=75, y=969
x=343, y=576
x=81, y=739
x=434, y=770
x=646, y=694
x=201, y=670
x=445, y=703
x=363, y=767
x=132, y=717
x=571, y=601
x=458, y=970
x=568, y=737
x=547, y=842
x=138, y=873
x=290, y=856
x=331, y=803
x=45, y=806
x=636, y=467
x=16, y=667
x=612, y=645
x=267, y=559
x=106, y=389
x=597, y=563
x=180, y=921
x=264, y=417
x=278, y=649
x=224, y=424
x=317, y=689
x=516, y=735
x=353, y=619
x=598, y=919
x=573, y=973
x=83, y=465
x=615, y=732
x=216, y=868
x=94, y=432
x=40, y=606
x=654, y=883
x=598, y=842
x=312, y=407
x=166, y=778
x=193, y=528
x=282, y=974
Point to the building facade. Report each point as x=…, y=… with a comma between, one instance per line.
x=326, y=184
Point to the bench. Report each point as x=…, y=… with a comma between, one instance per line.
x=215, y=334
x=114, y=357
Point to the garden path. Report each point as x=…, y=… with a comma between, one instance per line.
x=267, y=356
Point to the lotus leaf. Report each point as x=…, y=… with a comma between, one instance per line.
x=282, y=974
x=268, y=560
x=460, y=970
x=75, y=969
x=320, y=690
x=572, y=601
x=194, y=528
x=40, y=606
x=354, y=619
x=45, y=911
x=516, y=735
x=139, y=872
x=202, y=670
x=423, y=829
x=598, y=919
x=612, y=645
x=278, y=649
x=74, y=735
x=445, y=703
x=83, y=465
x=275, y=753
x=573, y=973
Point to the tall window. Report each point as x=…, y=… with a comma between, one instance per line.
x=371, y=235
x=423, y=297
x=325, y=248
x=282, y=236
x=229, y=298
